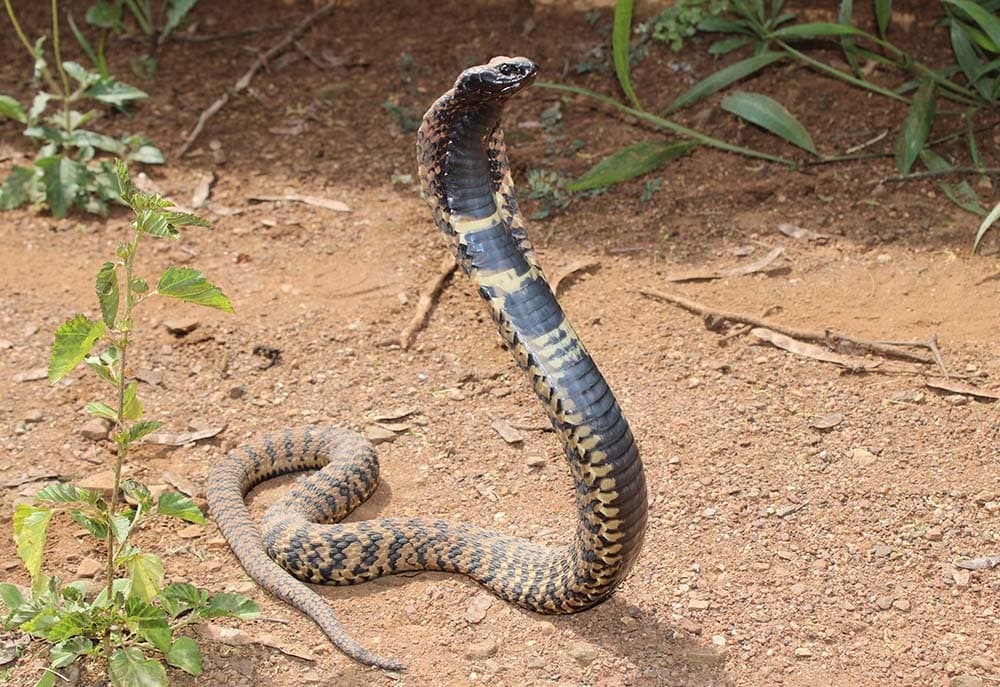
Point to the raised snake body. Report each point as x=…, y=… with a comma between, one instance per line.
x=467, y=181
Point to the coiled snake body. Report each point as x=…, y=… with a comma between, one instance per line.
x=467, y=181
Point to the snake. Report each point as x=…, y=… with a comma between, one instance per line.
x=466, y=179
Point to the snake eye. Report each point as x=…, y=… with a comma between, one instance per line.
x=507, y=69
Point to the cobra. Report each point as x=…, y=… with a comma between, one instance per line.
x=467, y=181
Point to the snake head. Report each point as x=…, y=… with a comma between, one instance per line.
x=500, y=78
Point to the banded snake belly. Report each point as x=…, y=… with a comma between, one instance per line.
x=467, y=181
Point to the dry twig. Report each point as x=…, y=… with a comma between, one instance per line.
x=244, y=80
x=834, y=340
x=426, y=303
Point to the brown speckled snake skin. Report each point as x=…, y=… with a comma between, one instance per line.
x=467, y=181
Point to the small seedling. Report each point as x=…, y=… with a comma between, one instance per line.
x=133, y=623
x=157, y=22
x=66, y=172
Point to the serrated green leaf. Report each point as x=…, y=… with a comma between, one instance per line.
x=179, y=506
x=101, y=410
x=62, y=178
x=226, y=605
x=631, y=161
x=83, y=138
x=12, y=109
x=105, y=15
x=130, y=668
x=70, y=624
x=132, y=407
x=147, y=154
x=186, y=284
x=105, y=365
x=141, y=429
x=11, y=596
x=723, y=78
x=96, y=526
x=960, y=192
x=113, y=92
x=883, y=13
x=140, y=285
x=157, y=633
x=62, y=492
x=146, y=571
x=138, y=492
x=185, y=654
x=73, y=342
x=120, y=526
x=107, y=292
x=126, y=188
x=79, y=73
x=916, y=126
x=180, y=597
x=154, y=222
x=768, y=114
x=987, y=222
x=66, y=652
x=30, y=524
x=17, y=188
x=621, y=40
x=987, y=21
x=38, y=105
x=185, y=219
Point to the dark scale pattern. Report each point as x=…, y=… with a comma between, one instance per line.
x=466, y=178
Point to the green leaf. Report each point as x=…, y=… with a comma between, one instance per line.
x=138, y=492
x=107, y=292
x=179, y=506
x=988, y=222
x=727, y=45
x=768, y=114
x=79, y=73
x=845, y=16
x=105, y=365
x=139, y=285
x=113, y=92
x=146, y=571
x=101, y=410
x=883, y=13
x=106, y=15
x=916, y=126
x=986, y=20
x=621, y=36
x=120, y=527
x=186, y=219
x=631, y=161
x=226, y=605
x=130, y=668
x=126, y=188
x=62, y=178
x=61, y=492
x=186, y=284
x=132, y=407
x=180, y=597
x=968, y=60
x=30, y=524
x=82, y=138
x=141, y=429
x=73, y=342
x=96, y=526
x=156, y=632
x=66, y=652
x=11, y=596
x=175, y=15
x=38, y=105
x=723, y=78
x=185, y=654
x=17, y=188
x=48, y=679
x=154, y=222
x=960, y=193
x=816, y=30
x=12, y=109
x=147, y=154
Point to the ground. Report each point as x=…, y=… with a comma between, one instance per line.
x=780, y=549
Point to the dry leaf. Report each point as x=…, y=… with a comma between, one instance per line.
x=32, y=375
x=393, y=414
x=32, y=475
x=962, y=388
x=978, y=563
x=201, y=192
x=572, y=271
x=738, y=271
x=506, y=431
x=810, y=350
x=317, y=201
x=183, y=438
x=235, y=637
x=794, y=232
x=181, y=484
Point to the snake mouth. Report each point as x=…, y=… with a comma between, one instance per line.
x=500, y=77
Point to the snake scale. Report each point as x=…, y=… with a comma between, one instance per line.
x=467, y=182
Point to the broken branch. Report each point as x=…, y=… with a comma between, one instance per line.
x=426, y=303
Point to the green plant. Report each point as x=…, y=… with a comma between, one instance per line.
x=134, y=619
x=65, y=172
x=972, y=84
x=157, y=22
x=679, y=21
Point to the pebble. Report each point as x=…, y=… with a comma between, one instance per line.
x=884, y=603
x=411, y=613
x=538, y=462
x=881, y=551
x=803, y=652
x=698, y=604
x=89, y=568
x=901, y=605
x=863, y=457
x=480, y=650
x=379, y=435
x=705, y=655
x=191, y=531
x=180, y=326
x=34, y=416
x=957, y=399
x=962, y=578
x=237, y=392
x=96, y=429
x=535, y=663
x=103, y=482
x=476, y=612
x=966, y=680
x=934, y=534
x=582, y=652
x=690, y=626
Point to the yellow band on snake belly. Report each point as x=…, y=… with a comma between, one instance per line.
x=466, y=178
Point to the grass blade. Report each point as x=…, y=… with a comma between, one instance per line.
x=987, y=21
x=988, y=222
x=723, y=78
x=968, y=60
x=961, y=193
x=769, y=114
x=817, y=30
x=883, y=12
x=621, y=35
x=631, y=161
x=845, y=16
x=916, y=127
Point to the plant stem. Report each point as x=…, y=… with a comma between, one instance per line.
x=57, y=53
x=27, y=44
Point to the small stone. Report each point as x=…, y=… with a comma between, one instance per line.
x=719, y=640
x=535, y=663
x=863, y=457
x=884, y=603
x=237, y=392
x=690, y=626
x=181, y=326
x=582, y=652
x=934, y=534
x=901, y=605
x=693, y=382
x=95, y=429
x=881, y=551
x=698, y=604
x=826, y=422
x=538, y=462
x=34, y=416
x=966, y=680
x=705, y=655
x=819, y=565
x=545, y=627
x=481, y=650
x=957, y=399
x=962, y=578
x=982, y=663
x=803, y=652
x=89, y=568
x=411, y=613
x=310, y=677
x=883, y=258
x=379, y=435
x=476, y=612
x=103, y=482
x=191, y=531
x=151, y=377
x=708, y=512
